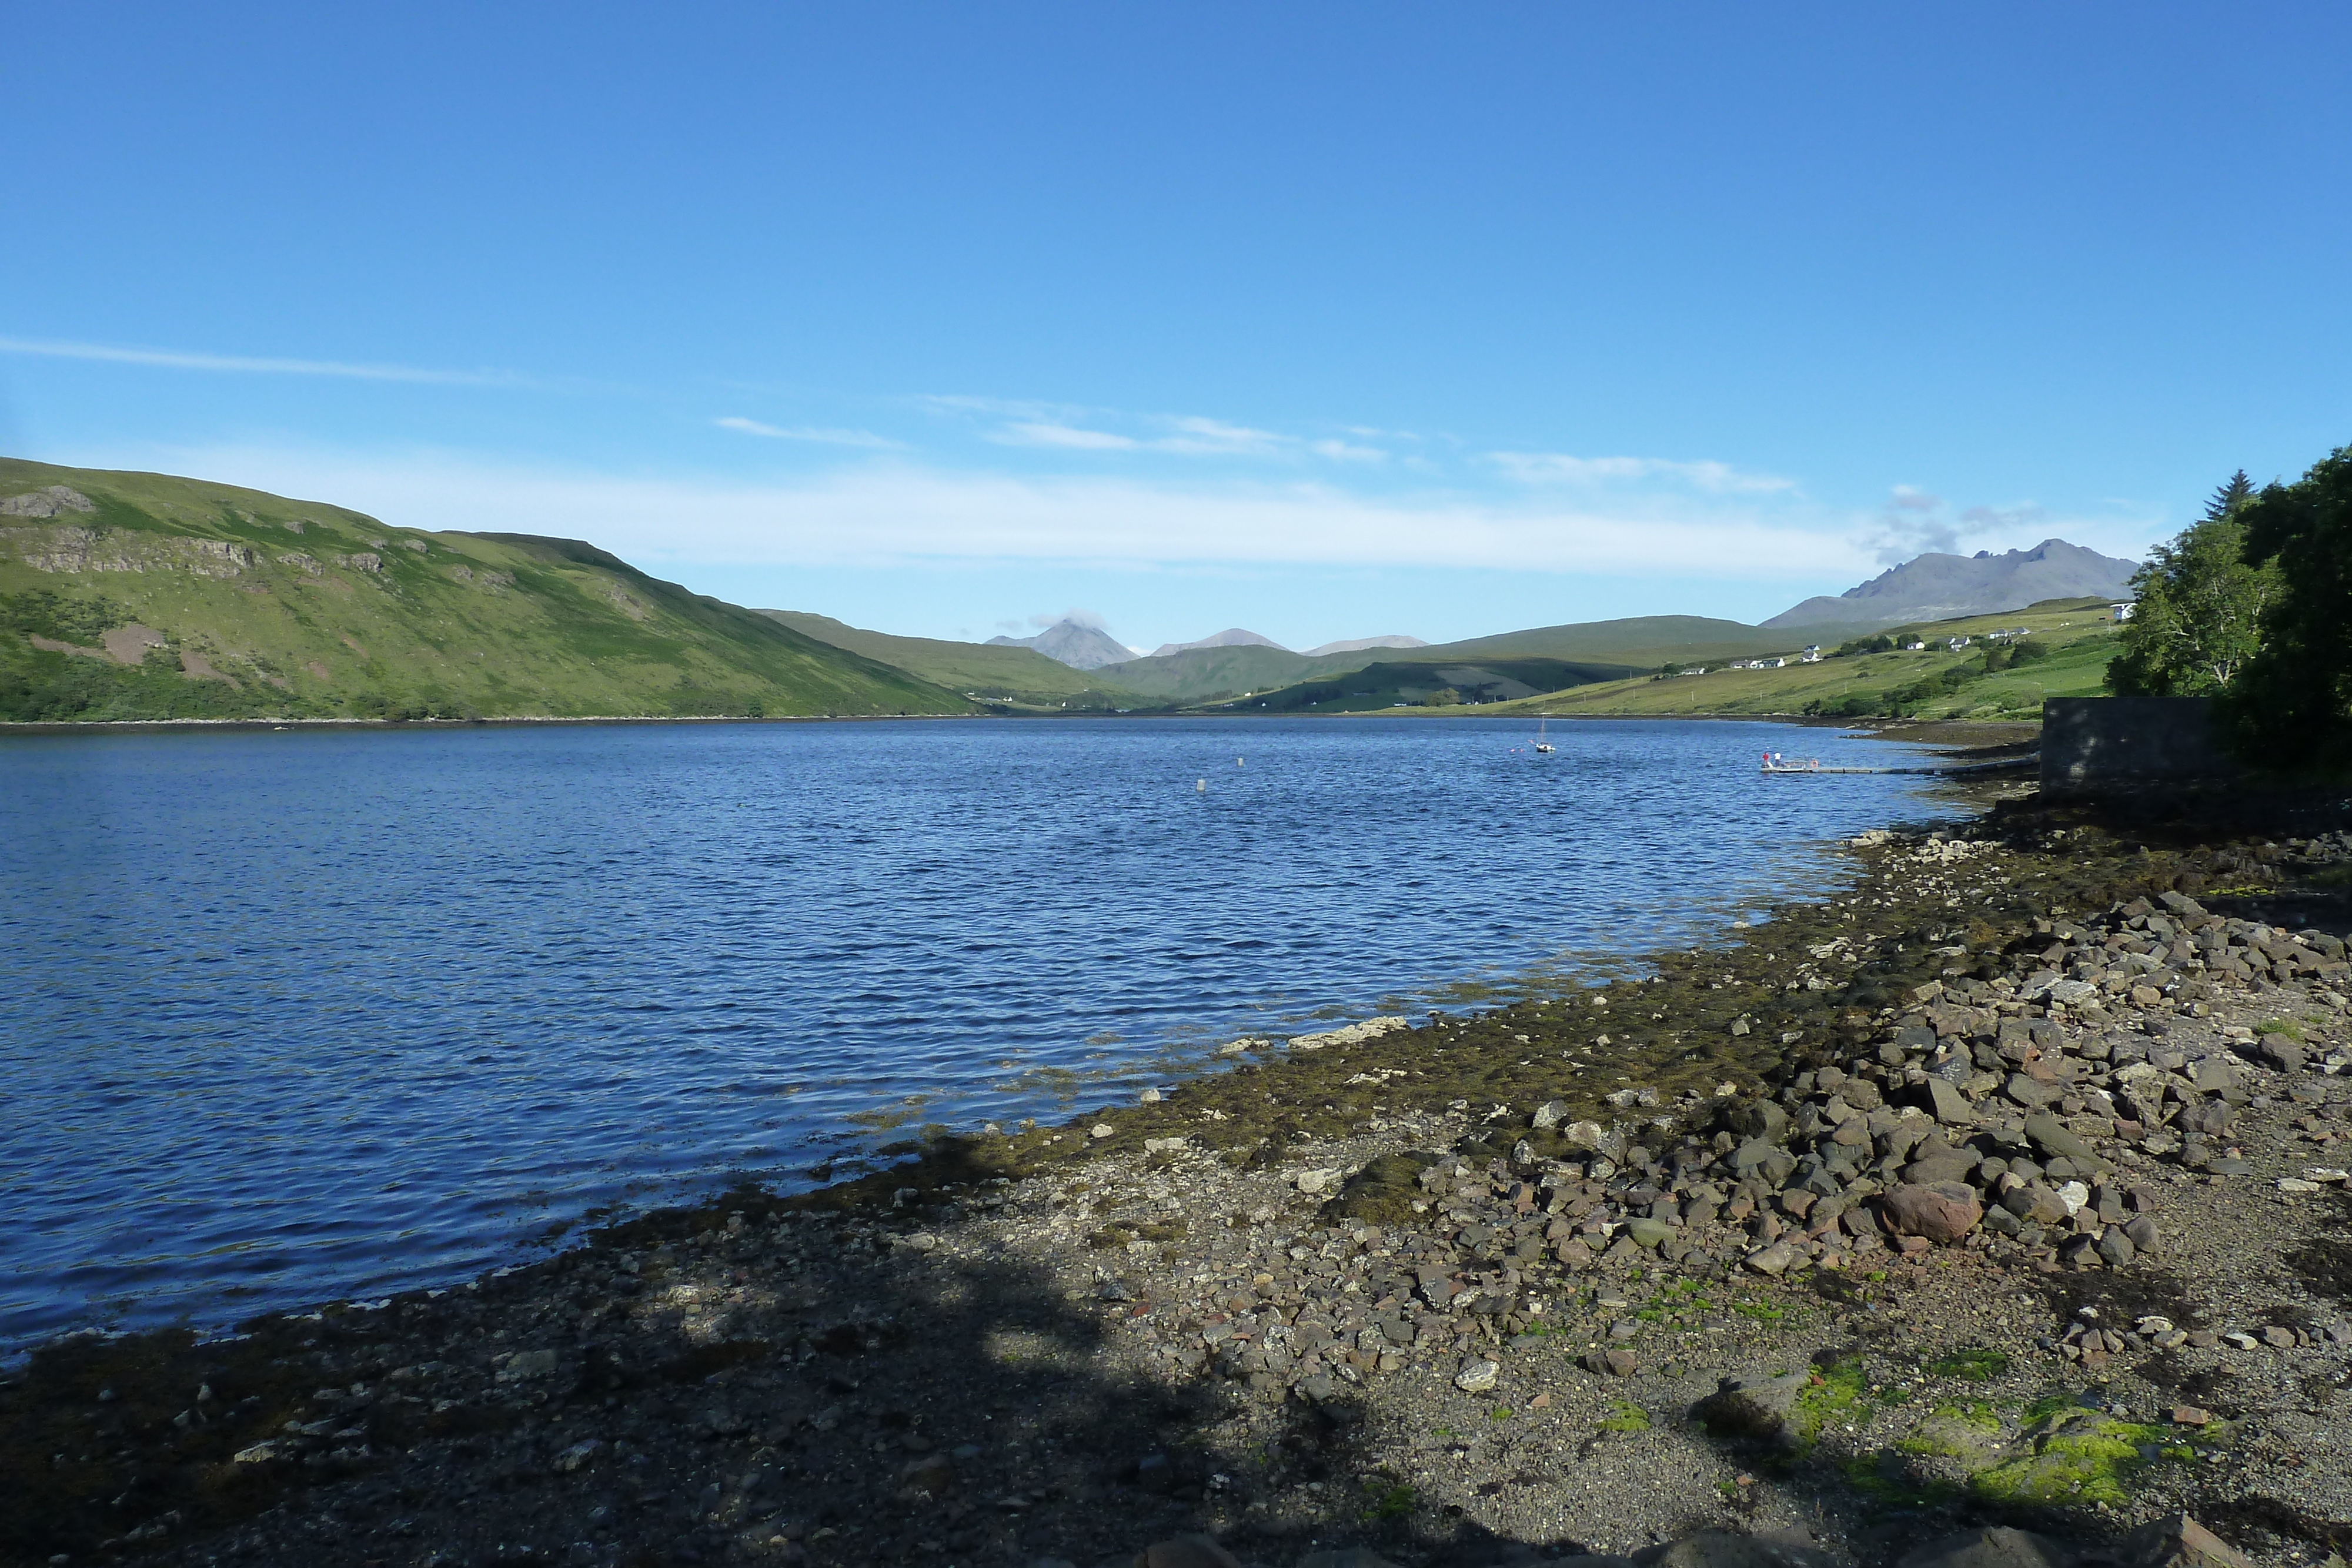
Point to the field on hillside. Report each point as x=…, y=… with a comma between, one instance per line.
x=131, y=596
x=2080, y=643
x=1014, y=677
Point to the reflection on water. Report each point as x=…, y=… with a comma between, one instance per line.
x=299, y=1015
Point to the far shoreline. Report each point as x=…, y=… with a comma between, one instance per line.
x=1928, y=732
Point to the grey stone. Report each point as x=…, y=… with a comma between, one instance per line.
x=1755, y=1407
x=1948, y=1104
x=1548, y=1115
x=1648, y=1232
x=2281, y=1052
x=578, y=1455
x=2143, y=1233
x=1759, y=1119
x=1593, y=1137
x=1955, y=1167
x=1719, y=1548
x=2031, y=1092
x=1477, y=1376
x=2178, y=1540
x=1996, y=1548
x=1773, y=1259
x=2053, y=1136
x=2115, y=1246
x=2214, y=1075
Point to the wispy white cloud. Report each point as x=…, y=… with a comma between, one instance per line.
x=865, y=438
x=896, y=513
x=1069, y=437
x=1559, y=469
x=1215, y=436
x=1913, y=522
x=1069, y=428
x=180, y=360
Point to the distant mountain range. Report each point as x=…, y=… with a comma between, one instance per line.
x=1072, y=642
x=1235, y=637
x=141, y=595
x=1936, y=587
x=1359, y=644
x=1232, y=637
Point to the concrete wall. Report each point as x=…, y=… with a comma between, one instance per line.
x=2102, y=745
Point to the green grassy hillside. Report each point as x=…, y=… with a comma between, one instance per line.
x=1022, y=676
x=144, y=596
x=1399, y=683
x=1204, y=674
x=1644, y=641
x=2074, y=642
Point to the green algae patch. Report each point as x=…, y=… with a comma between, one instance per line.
x=1975, y=1365
x=1891, y=1478
x=1836, y=1392
x=2076, y=1459
x=1968, y=1433
x=1384, y=1191
x=1623, y=1418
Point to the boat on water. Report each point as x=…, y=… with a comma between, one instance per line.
x=1542, y=743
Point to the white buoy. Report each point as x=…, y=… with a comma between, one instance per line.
x=1202, y=784
x=1238, y=763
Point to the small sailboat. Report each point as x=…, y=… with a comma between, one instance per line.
x=1542, y=743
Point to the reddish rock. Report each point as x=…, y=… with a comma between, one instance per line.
x=1944, y=1212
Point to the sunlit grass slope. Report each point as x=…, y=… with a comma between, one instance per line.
x=2080, y=643
x=147, y=596
x=1018, y=676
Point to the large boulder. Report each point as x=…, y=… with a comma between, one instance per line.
x=1721, y=1548
x=1996, y=1548
x=2178, y=1540
x=1756, y=1406
x=1758, y=1119
x=1944, y=1212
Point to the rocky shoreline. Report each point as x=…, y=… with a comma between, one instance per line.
x=2003, y=1187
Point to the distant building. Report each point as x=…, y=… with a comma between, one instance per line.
x=1697, y=672
x=2125, y=610
x=1915, y=647
x=1774, y=663
x=1961, y=642
x=1813, y=656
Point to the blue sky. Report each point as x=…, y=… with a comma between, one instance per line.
x=1323, y=320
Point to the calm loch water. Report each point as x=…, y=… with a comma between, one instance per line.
x=287, y=1017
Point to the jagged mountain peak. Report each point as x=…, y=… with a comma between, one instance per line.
x=1073, y=642
x=1939, y=586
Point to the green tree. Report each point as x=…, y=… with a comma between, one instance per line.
x=2200, y=606
x=2291, y=707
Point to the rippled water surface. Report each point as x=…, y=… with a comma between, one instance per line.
x=289, y=1016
